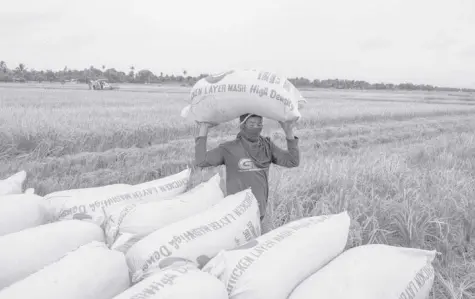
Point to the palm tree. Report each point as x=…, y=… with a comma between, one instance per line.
x=21, y=69
x=3, y=66
x=63, y=75
x=132, y=73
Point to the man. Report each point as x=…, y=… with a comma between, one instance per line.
x=248, y=157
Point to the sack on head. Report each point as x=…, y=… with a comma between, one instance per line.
x=224, y=97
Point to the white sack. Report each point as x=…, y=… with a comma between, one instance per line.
x=272, y=265
x=92, y=271
x=372, y=272
x=13, y=184
x=177, y=282
x=22, y=211
x=25, y=252
x=126, y=225
x=89, y=203
x=229, y=224
x=224, y=97
x=30, y=191
x=82, y=203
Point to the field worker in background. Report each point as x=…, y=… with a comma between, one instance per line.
x=248, y=157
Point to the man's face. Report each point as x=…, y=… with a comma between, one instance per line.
x=254, y=122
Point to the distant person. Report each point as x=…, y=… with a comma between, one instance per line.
x=248, y=157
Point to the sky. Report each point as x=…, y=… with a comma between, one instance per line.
x=391, y=41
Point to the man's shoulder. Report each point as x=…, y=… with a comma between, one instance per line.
x=229, y=144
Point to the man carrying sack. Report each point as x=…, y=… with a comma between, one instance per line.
x=248, y=157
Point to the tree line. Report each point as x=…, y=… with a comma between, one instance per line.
x=23, y=74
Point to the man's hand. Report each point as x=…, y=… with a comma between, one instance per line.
x=204, y=126
x=208, y=124
x=288, y=128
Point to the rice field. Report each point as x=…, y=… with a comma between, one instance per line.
x=401, y=163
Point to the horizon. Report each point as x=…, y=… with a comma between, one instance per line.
x=421, y=43
x=104, y=75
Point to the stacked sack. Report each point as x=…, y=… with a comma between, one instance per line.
x=55, y=247
x=226, y=225
x=127, y=224
x=13, y=184
x=187, y=258
x=20, y=210
x=195, y=243
x=372, y=272
x=27, y=251
x=181, y=280
x=45, y=258
x=90, y=271
x=272, y=265
x=304, y=259
x=90, y=203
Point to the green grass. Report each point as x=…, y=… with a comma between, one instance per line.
x=402, y=164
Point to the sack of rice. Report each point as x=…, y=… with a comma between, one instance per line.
x=30, y=191
x=127, y=225
x=302, y=104
x=13, y=184
x=272, y=265
x=372, y=272
x=89, y=203
x=228, y=224
x=162, y=188
x=80, y=204
x=224, y=97
x=177, y=281
x=22, y=211
x=91, y=271
x=27, y=251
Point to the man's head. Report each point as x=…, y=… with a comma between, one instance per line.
x=251, y=125
x=251, y=120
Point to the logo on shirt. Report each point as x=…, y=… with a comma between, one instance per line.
x=246, y=164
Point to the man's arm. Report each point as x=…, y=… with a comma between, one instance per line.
x=204, y=158
x=287, y=158
x=291, y=157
